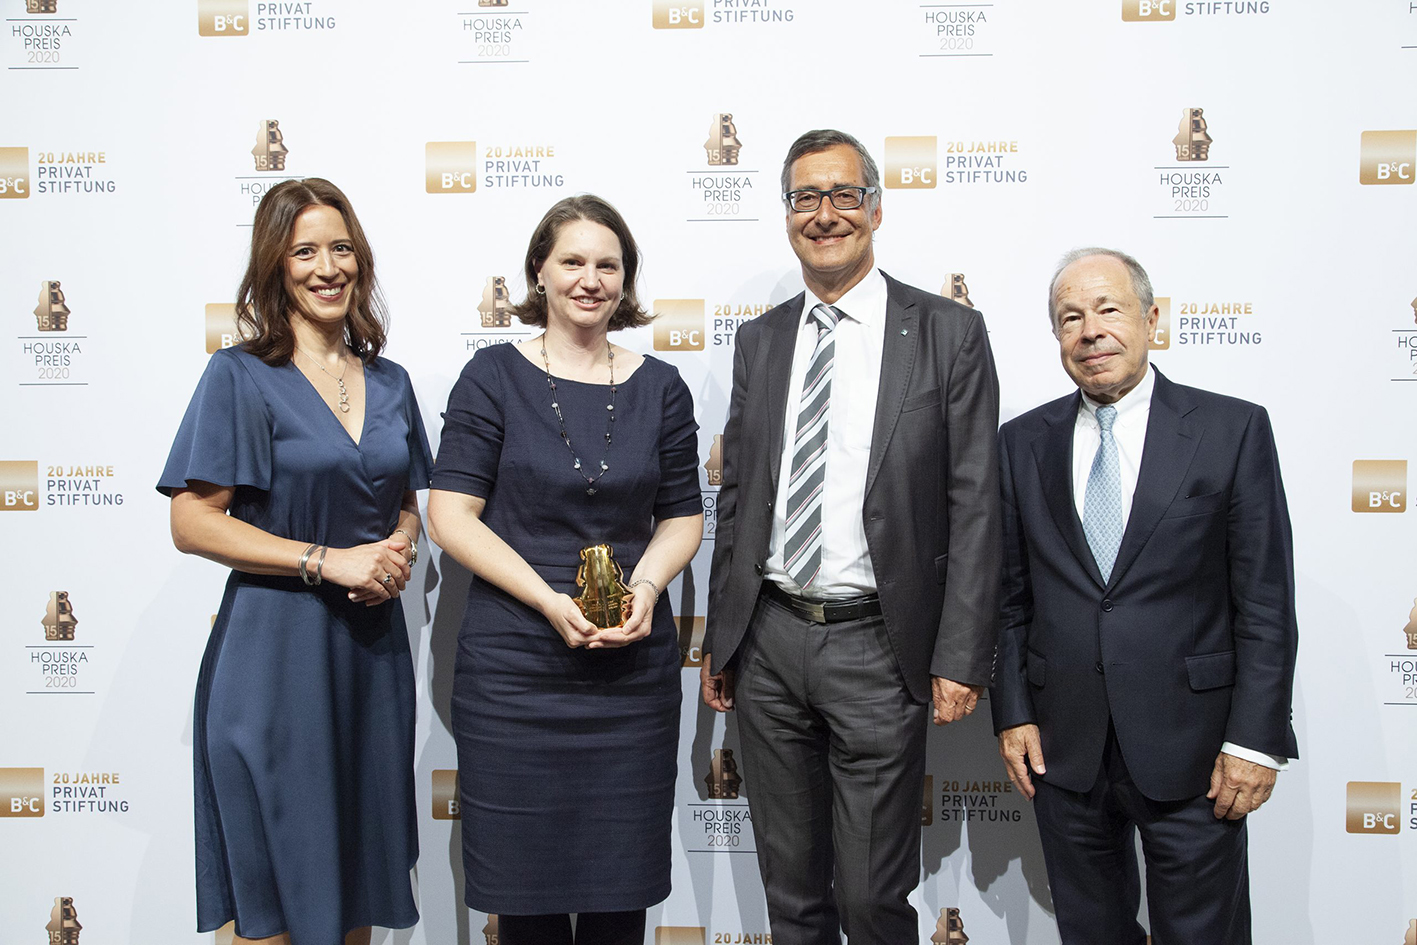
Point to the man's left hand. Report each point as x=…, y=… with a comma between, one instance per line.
x=1239, y=787
x=953, y=701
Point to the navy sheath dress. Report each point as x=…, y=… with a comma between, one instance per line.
x=304, y=723
x=566, y=757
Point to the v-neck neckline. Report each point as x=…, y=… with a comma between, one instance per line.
x=363, y=423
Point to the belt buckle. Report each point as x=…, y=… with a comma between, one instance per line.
x=816, y=610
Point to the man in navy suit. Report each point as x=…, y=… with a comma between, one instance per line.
x=1148, y=635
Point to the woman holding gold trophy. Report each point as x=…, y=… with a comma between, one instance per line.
x=568, y=463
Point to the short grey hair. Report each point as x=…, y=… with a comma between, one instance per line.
x=1141, y=282
x=820, y=140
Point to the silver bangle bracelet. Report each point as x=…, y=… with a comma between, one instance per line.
x=638, y=581
x=304, y=560
x=320, y=565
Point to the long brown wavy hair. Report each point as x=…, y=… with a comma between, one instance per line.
x=263, y=306
x=533, y=310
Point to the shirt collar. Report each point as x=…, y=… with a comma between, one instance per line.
x=864, y=303
x=1137, y=400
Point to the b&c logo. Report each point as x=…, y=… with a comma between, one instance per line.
x=445, y=795
x=1388, y=157
x=1162, y=340
x=678, y=15
x=910, y=162
x=679, y=325
x=691, y=641
x=19, y=485
x=223, y=18
x=1374, y=807
x=1380, y=485
x=21, y=792
x=1148, y=11
x=450, y=167
x=14, y=173
x=222, y=331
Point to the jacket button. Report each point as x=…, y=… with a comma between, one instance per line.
x=758, y=569
x=1107, y=606
x=1099, y=666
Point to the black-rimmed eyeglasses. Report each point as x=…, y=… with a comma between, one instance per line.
x=843, y=198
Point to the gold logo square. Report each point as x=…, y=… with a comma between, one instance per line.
x=19, y=485
x=1374, y=807
x=446, y=803
x=910, y=162
x=21, y=792
x=679, y=325
x=1380, y=485
x=223, y=18
x=1388, y=157
x=678, y=14
x=691, y=641
x=1149, y=11
x=450, y=167
x=680, y=935
x=221, y=326
x=14, y=173
x=1162, y=341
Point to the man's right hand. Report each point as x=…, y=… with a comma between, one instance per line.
x=717, y=689
x=1017, y=746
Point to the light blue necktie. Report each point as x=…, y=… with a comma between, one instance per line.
x=1102, y=503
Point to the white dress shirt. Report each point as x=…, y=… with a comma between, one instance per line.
x=856, y=378
x=1129, y=430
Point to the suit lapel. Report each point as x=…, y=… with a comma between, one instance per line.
x=1166, y=456
x=902, y=337
x=782, y=340
x=1053, y=452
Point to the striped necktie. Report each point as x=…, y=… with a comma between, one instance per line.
x=802, y=551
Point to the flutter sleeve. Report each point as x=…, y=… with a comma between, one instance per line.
x=225, y=436
x=470, y=448
x=420, y=455
x=678, y=494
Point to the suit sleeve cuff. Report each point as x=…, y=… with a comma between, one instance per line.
x=1277, y=762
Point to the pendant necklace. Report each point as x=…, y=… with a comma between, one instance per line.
x=343, y=394
x=566, y=437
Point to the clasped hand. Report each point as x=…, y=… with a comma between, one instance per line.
x=566, y=618
x=364, y=569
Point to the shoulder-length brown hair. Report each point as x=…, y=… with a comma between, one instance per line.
x=262, y=304
x=532, y=310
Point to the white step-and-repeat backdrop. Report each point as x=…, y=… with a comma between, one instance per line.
x=1258, y=157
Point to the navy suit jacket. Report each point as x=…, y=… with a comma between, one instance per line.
x=931, y=512
x=1192, y=641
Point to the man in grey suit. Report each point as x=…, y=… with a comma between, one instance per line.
x=856, y=567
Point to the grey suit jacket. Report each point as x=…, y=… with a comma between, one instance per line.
x=931, y=512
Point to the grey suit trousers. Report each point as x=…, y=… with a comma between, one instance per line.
x=834, y=763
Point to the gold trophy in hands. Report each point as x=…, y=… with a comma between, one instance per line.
x=603, y=590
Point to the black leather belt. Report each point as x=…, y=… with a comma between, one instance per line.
x=825, y=611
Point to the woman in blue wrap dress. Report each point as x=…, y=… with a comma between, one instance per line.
x=297, y=466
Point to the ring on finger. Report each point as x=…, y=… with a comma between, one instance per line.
x=388, y=578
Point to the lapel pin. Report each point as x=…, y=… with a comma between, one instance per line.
x=904, y=332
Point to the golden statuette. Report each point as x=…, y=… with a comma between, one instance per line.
x=603, y=587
